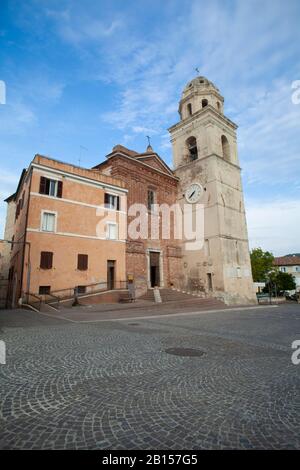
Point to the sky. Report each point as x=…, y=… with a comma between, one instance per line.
x=82, y=77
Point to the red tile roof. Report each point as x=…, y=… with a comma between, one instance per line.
x=287, y=260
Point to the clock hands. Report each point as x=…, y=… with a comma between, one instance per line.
x=193, y=193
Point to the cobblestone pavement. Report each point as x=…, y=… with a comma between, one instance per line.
x=113, y=385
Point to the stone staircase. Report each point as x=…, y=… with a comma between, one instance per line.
x=173, y=295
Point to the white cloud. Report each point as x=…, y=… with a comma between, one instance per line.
x=15, y=117
x=238, y=58
x=274, y=225
x=24, y=98
x=77, y=29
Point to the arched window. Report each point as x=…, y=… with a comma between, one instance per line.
x=225, y=148
x=204, y=103
x=218, y=106
x=191, y=144
x=189, y=109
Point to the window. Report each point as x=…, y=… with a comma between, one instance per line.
x=204, y=103
x=111, y=201
x=191, y=144
x=189, y=108
x=82, y=262
x=51, y=187
x=12, y=243
x=48, y=222
x=207, y=247
x=225, y=148
x=111, y=232
x=151, y=199
x=81, y=289
x=282, y=269
x=44, y=290
x=46, y=260
x=209, y=281
x=297, y=269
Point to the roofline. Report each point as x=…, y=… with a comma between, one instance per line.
x=287, y=263
x=102, y=184
x=10, y=198
x=15, y=195
x=146, y=154
x=141, y=163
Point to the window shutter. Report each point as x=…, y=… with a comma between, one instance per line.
x=59, y=188
x=43, y=260
x=82, y=262
x=46, y=260
x=43, y=182
x=118, y=203
x=106, y=199
x=50, y=260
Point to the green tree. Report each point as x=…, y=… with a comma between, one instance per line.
x=285, y=281
x=279, y=281
x=261, y=263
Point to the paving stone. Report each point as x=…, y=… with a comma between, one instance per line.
x=111, y=386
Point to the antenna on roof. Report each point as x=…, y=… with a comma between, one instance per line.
x=149, y=143
x=80, y=153
x=197, y=70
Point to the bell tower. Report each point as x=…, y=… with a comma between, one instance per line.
x=205, y=154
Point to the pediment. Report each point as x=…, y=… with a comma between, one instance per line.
x=156, y=162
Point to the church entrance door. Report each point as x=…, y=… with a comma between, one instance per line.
x=154, y=268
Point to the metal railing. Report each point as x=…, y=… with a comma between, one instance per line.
x=50, y=299
x=88, y=289
x=55, y=297
x=33, y=300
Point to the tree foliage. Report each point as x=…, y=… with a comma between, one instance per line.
x=285, y=281
x=261, y=263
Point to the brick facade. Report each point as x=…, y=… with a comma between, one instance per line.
x=77, y=229
x=140, y=173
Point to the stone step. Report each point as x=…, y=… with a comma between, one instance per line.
x=172, y=295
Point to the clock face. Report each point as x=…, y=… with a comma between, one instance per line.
x=194, y=193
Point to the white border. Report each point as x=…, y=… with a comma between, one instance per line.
x=45, y=211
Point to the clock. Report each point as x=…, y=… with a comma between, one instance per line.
x=194, y=193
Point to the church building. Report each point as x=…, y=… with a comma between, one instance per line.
x=205, y=164
x=205, y=174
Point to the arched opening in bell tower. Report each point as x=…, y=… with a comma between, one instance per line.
x=204, y=103
x=225, y=148
x=192, y=149
x=189, y=109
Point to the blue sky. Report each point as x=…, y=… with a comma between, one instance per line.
x=99, y=73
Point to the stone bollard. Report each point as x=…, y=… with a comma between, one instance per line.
x=157, y=296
